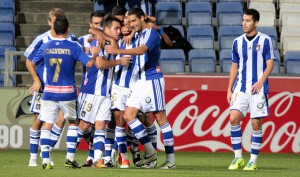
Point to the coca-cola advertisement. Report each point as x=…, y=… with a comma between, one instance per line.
x=200, y=121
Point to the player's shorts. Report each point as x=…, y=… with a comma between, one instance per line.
x=256, y=104
x=35, y=106
x=50, y=110
x=119, y=96
x=148, y=95
x=94, y=108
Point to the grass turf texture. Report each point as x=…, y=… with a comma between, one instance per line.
x=15, y=163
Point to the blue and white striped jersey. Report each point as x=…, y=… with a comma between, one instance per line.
x=149, y=68
x=83, y=40
x=98, y=81
x=59, y=57
x=33, y=48
x=251, y=57
x=145, y=5
x=126, y=76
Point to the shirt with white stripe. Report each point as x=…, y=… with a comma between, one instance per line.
x=98, y=81
x=126, y=76
x=251, y=57
x=149, y=68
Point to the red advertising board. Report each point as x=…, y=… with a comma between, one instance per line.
x=199, y=115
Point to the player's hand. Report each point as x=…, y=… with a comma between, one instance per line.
x=151, y=19
x=101, y=41
x=90, y=39
x=126, y=60
x=36, y=86
x=127, y=39
x=95, y=50
x=110, y=49
x=256, y=87
x=153, y=25
x=229, y=95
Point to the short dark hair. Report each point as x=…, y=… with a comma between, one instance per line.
x=137, y=12
x=253, y=12
x=97, y=13
x=61, y=24
x=108, y=20
x=118, y=10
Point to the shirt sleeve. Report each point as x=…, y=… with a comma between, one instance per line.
x=33, y=49
x=81, y=55
x=235, y=55
x=39, y=56
x=151, y=38
x=268, y=52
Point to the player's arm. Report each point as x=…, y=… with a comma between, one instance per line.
x=83, y=58
x=102, y=63
x=134, y=51
x=37, y=85
x=233, y=70
x=101, y=35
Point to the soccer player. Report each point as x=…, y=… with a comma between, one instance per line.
x=96, y=19
x=252, y=62
x=95, y=102
x=59, y=57
x=148, y=93
x=37, y=88
x=124, y=78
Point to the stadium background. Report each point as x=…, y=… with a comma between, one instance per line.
x=196, y=103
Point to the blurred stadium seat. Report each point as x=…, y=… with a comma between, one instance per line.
x=169, y=13
x=225, y=60
x=202, y=60
x=227, y=34
x=172, y=60
x=229, y=13
x=7, y=34
x=292, y=62
x=198, y=13
x=201, y=37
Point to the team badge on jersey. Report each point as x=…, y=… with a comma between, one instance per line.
x=38, y=106
x=260, y=105
x=82, y=113
x=257, y=47
x=148, y=100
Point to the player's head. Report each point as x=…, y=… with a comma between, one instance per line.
x=112, y=26
x=126, y=29
x=119, y=12
x=250, y=20
x=96, y=19
x=53, y=13
x=136, y=17
x=61, y=25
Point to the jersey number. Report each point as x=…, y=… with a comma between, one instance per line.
x=56, y=61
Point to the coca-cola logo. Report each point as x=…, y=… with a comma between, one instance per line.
x=200, y=121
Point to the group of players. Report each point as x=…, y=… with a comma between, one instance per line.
x=122, y=83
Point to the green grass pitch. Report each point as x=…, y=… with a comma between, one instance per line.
x=15, y=163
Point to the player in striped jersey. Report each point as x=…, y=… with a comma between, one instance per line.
x=252, y=62
x=96, y=19
x=124, y=78
x=37, y=88
x=94, y=100
x=59, y=57
x=148, y=93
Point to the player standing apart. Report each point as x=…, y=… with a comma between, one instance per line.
x=252, y=62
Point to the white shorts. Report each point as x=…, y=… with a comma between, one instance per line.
x=257, y=104
x=148, y=95
x=35, y=106
x=50, y=110
x=94, y=107
x=119, y=96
